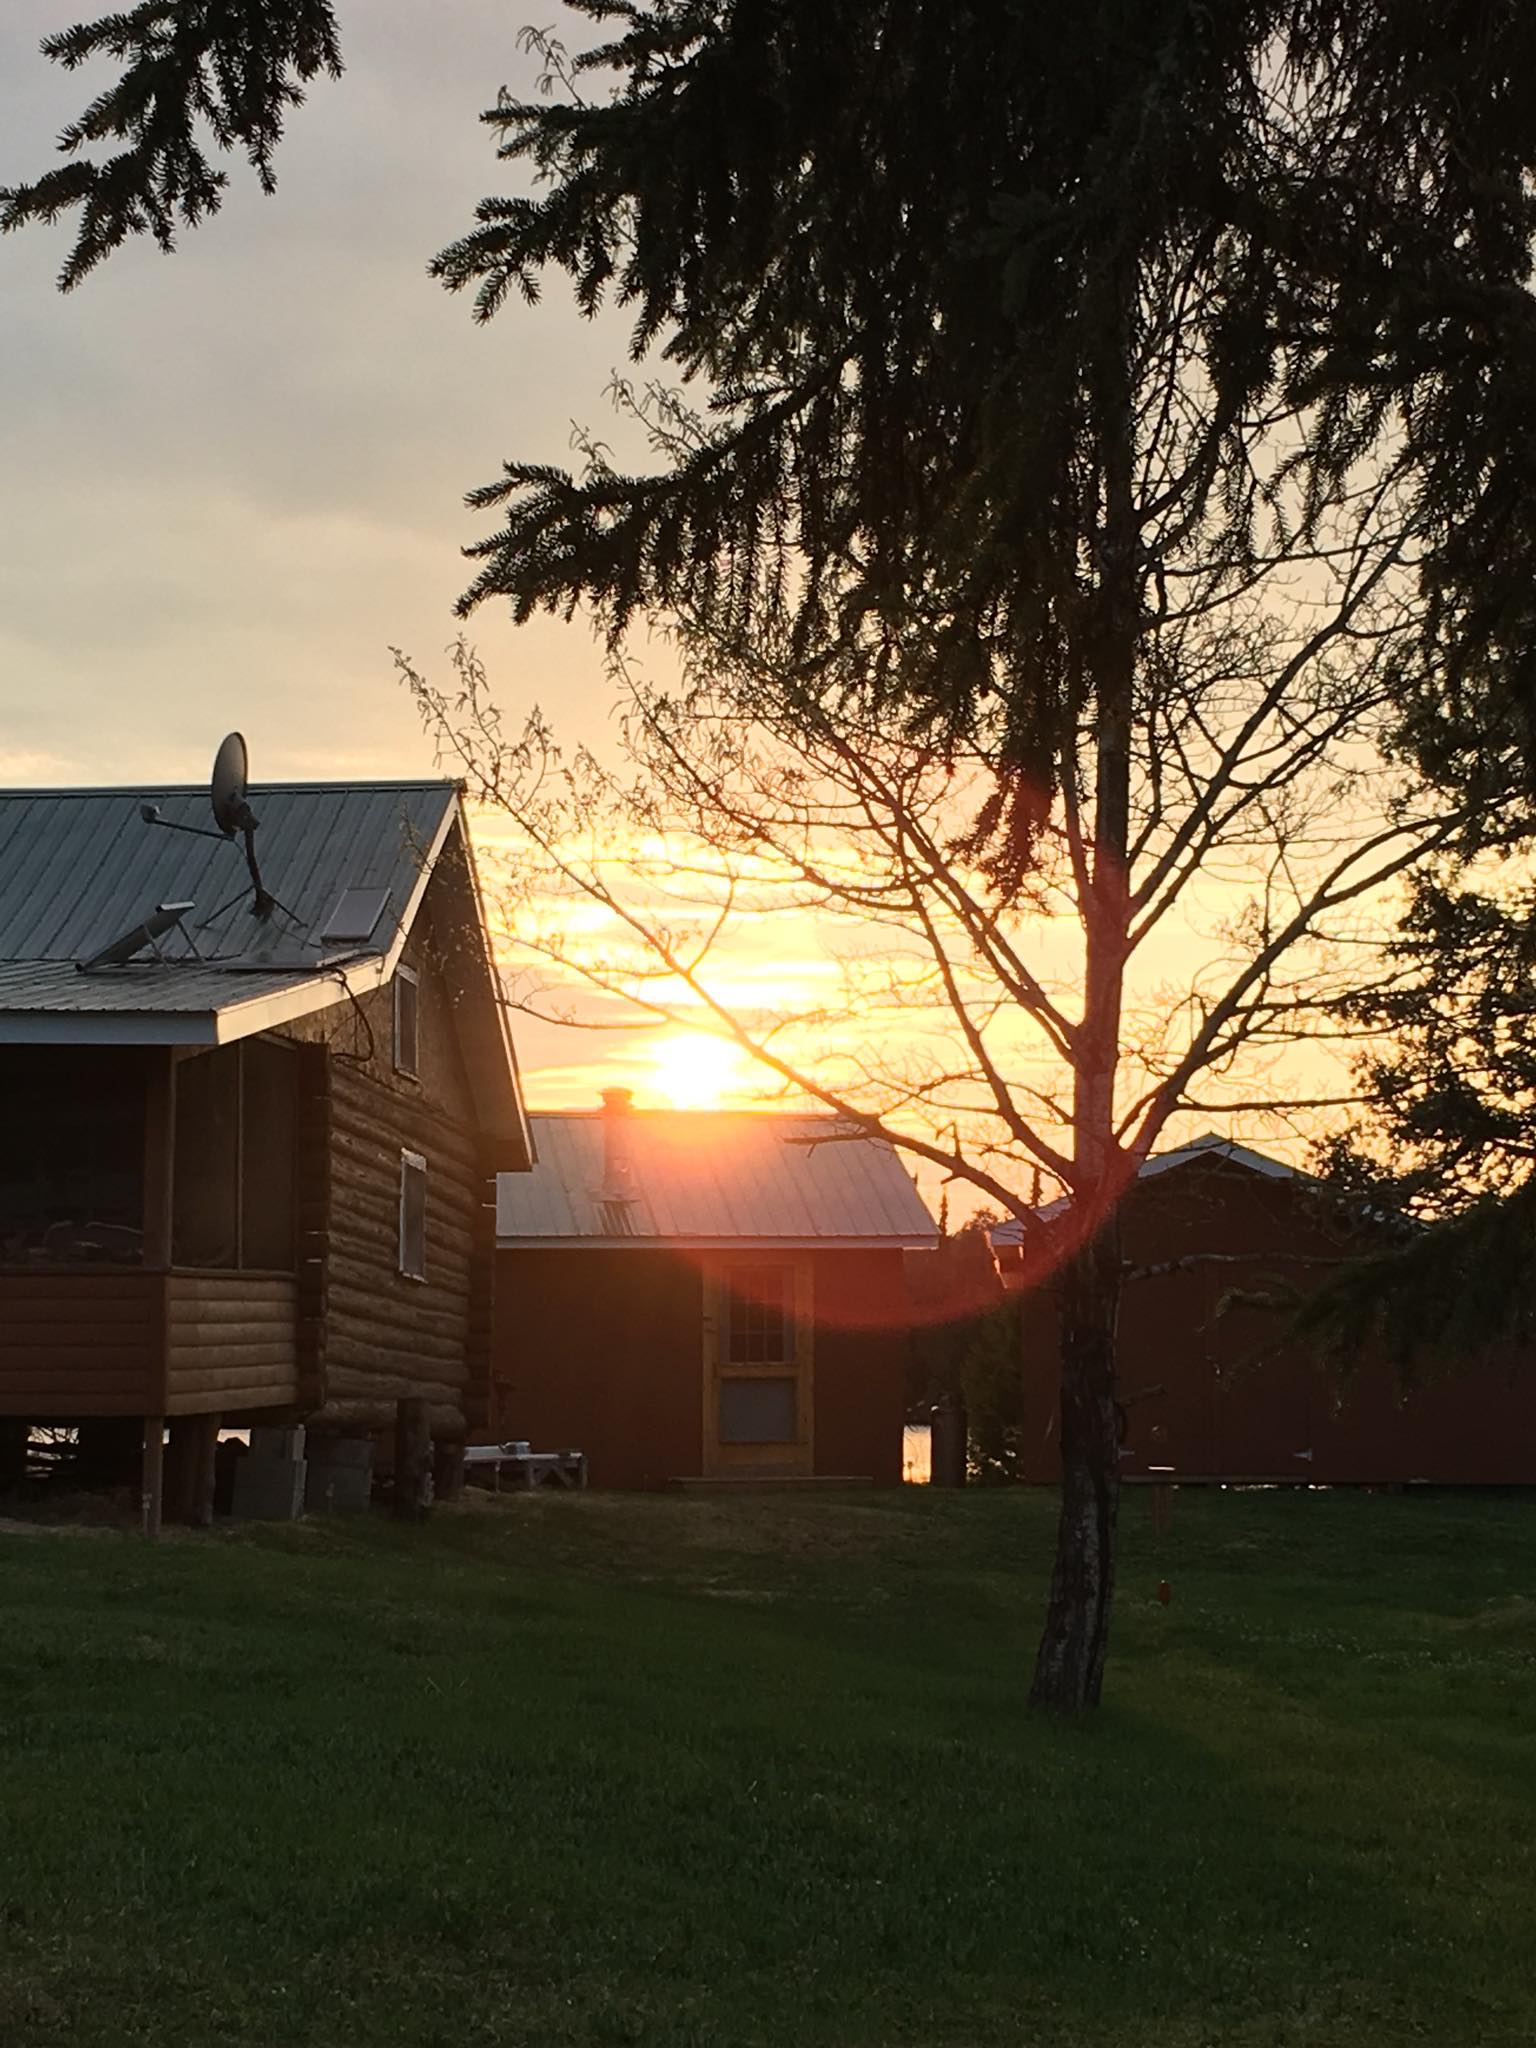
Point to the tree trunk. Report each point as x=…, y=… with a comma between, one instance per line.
x=1069, y=1666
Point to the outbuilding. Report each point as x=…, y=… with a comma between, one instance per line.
x=1216, y=1236
x=705, y=1296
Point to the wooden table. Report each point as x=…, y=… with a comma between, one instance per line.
x=529, y=1469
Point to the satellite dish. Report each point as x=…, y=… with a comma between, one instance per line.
x=231, y=767
x=233, y=814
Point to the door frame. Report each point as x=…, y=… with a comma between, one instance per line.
x=789, y=1459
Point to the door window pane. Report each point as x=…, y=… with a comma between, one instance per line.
x=760, y=1325
x=757, y=1411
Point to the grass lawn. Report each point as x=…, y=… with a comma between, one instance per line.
x=601, y=1770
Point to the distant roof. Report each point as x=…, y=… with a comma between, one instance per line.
x=1211, y=1146
x=713, y=1179
x=79, y=868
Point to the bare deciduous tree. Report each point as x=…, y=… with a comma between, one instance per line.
x=1262, y=826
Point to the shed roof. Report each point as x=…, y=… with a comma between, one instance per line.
x=81, y=868
x=713, y=1179
x=1212, y=1146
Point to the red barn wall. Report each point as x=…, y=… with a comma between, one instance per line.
x=602, y=1351
x=861, y=1364
x=1233, y=1401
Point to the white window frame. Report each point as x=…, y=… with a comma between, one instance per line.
x=412, y=1162
x=408, y=976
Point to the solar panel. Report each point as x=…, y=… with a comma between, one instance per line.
x=356, y=914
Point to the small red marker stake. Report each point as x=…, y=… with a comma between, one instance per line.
x=1164, y=1592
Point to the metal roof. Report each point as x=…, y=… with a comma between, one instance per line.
x=713, y=1178
x=148, y=1003
x=80, y=867
x=1211, y=1146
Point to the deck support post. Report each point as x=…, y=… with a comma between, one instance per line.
x=413, y=1460
x=152, y=1487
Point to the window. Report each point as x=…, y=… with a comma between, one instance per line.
x=407, y=1021
x=237, y=1112
x=72, y=1157
x=758, y=1411
x=269, y=1146
x=413, y=1216
x=205, y=1227
x=760, y=1328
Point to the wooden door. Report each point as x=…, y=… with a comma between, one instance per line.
x=759, y=1417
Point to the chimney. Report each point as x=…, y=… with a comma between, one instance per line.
x=618, y=1160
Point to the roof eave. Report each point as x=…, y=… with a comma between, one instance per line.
x=222, y=1024
x=521, y=1136
x=908, y=1241
x=108, y=1027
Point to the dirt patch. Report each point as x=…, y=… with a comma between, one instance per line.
x=11, y=1525
x=1514, y=1615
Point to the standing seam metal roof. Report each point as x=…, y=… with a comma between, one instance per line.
x=704, y=1177
x=80, y=868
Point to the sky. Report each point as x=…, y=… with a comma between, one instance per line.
x=232, y=478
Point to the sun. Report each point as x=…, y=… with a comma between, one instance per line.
x=692, y=1071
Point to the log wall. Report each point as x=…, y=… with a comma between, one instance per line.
x=79, y=1341
x=230, y=1343
x=387, y=1336
x=369, y=1336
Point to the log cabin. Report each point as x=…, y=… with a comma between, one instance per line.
x=252, y=1118
x=706, y=1298
x=1211, y=1387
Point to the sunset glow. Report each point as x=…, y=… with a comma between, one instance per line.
x=690, y=1071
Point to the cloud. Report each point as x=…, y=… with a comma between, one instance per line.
x=230, y=479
